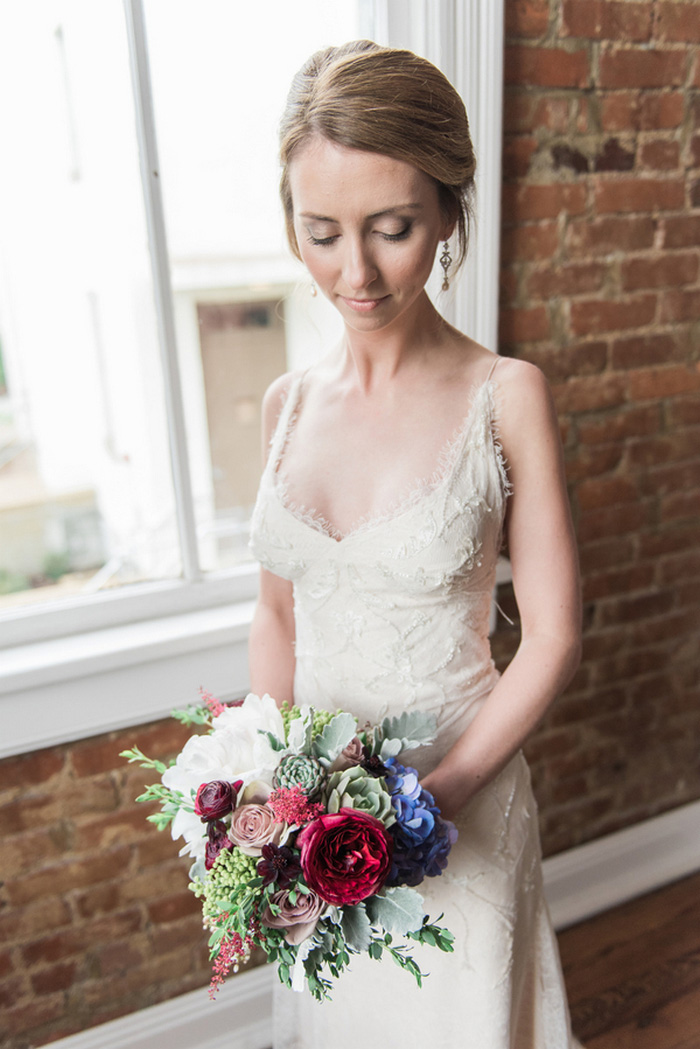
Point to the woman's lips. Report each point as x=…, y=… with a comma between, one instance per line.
x=363, y=305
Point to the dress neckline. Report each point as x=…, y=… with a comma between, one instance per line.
x=423, y=488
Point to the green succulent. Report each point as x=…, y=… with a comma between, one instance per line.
x=302, y=770
x=353, y=788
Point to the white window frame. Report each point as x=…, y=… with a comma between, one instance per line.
x=93, y=664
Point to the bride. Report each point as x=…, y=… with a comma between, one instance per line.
x=395, y=467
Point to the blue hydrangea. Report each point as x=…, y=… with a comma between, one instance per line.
x=422, y=838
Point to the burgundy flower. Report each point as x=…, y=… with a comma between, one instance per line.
x=216, y=799
x=217, y=840
x=279, y=864
x=345, y=857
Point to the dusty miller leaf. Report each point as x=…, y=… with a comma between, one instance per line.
x=357, y=928
x=334, y=738
x=398, y=910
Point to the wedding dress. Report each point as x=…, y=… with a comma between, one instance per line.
x=394, y=616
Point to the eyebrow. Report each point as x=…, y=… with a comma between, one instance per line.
x=374, y=215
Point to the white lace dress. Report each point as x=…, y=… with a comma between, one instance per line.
x=390, y=617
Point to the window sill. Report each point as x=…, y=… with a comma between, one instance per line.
x=68, y=688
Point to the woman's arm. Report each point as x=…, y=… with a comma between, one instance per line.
x=545, y=578
x=271, y=643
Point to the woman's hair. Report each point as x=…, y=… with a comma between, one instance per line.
x=387, y=101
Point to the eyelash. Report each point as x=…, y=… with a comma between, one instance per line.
x=325, y=242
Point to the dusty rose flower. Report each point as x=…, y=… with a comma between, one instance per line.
x=253, y=826
x=297, y=919
x=352, y=755
x=216, y=799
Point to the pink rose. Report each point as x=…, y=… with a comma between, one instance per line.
x=345, y=857
x=253, y=826
x=353, y=754
x=298, y=919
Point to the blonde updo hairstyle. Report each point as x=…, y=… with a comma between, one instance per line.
x=388, y=101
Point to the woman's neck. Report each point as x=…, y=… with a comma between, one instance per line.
x=375, y=358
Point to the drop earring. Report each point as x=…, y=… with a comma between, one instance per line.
x=313, y=289
x=445, y=262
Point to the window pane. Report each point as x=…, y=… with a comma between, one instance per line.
x=86, y=496
x=220, y=80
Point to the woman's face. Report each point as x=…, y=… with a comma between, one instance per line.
x=367, y=227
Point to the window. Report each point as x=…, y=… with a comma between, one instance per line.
x=129, y=393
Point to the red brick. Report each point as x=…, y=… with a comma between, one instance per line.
x=589, y=392
x=528, y=202
x=634, y=421
x=696, y=72
x=646, y=111
x=661, y=155
x=606, y=491
x=20, y=852
x=639, y=194
x=575, y=279
x=98, y=900
x=54, y=978
x=681, y=505
x=651, y=383
x=12, y=990
x=676, y=567
x=593, y=316
x=526, y=18
x=660, y=480
x=29, y=770
x=600, y=20
x=695, y=151
x=546, y=67
x=62, y=877
x=118, y=828
x=610, y=235
x=681, y=305
x=667, y=270
x=78, y=938
x=684, y=410
x=560, y=362
x=171, y=908
x=508, y=287
x=118, y=957
x=677, y=22
x=101, y=754
x=523, y=325
x=517, y=155
x=32, y=1015
x=681, y=231
x=637, y=67
x=585, y=462
x=18, y=924
x=529, y=243
x=613, y=521
x=609, y=553
x=618, y=581
x=640, y=351
x=665, y=448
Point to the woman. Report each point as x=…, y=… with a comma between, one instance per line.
x=378, y=524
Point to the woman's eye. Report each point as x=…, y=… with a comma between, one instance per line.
x=401, y=235
x=321, y=241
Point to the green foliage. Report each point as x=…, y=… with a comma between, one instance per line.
x=398, y=910
x=194, y=714
x=334, y=738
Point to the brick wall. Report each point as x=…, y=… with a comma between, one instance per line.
x=601, y=289
x=601, y=253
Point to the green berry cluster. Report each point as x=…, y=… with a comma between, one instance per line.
x=288, y=713
x=321, y=719
x=232, y=870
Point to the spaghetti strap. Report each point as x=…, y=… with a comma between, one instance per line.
x=493, y=367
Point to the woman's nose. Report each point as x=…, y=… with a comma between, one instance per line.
x=359, y=269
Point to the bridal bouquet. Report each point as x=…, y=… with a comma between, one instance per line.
x=307, y=836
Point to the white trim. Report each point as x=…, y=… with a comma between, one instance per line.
x=578, y=884
x=604, y=873
x=70, y=688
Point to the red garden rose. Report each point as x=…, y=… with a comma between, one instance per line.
x=346, y=856
x=216, y=799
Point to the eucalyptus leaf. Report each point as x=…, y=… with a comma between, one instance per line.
x=334, y=738
x=357, y=927
x=413, y=727
x=399, y=910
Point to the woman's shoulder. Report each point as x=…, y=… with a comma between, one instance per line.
x=274, y=400
x=525, y=399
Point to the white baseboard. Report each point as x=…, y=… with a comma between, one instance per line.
x=578, y=884
x=608, y=871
